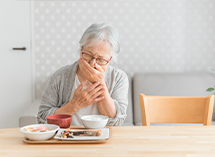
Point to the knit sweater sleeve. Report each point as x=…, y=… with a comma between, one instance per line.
x=120, y=98
x=50, y=97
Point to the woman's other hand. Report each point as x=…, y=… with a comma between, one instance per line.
x=82, y=98
x=90, y=95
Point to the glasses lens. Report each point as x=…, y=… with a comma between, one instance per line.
x=87, y=57
x=101, y=62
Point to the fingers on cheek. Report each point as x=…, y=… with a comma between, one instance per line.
x=80, y=63
x=91, y=76
x=82, y=66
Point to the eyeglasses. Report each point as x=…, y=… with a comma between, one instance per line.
x=99, y=61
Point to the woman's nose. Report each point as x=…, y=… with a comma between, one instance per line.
x=92, y=62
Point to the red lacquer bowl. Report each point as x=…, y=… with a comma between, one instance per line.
x=62, y=120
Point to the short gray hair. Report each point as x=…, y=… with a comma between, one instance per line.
x=99, y=32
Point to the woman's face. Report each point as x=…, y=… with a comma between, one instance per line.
x=100, y=51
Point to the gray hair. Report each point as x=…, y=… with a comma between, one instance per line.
x=97, y=33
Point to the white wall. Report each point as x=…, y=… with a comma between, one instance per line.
x=156, y=35
x=15, y=65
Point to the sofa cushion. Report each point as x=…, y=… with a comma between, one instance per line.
x=129, y=119
x=170, y=84
x=127, y=124
x=30, y=114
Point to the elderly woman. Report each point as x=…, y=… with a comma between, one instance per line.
x=90, y=86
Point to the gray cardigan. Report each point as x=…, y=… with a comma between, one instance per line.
x=58, y=91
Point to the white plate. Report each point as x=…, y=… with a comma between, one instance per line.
x=104, y=135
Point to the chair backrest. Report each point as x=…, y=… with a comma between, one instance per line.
x=170, y=109
x=170, y=84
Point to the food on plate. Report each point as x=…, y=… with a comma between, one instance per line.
x=68, y=133
x=36, y=129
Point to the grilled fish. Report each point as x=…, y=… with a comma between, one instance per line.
x=68, y=133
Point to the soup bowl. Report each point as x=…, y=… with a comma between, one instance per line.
x=62, y=120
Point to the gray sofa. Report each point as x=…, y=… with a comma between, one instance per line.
x=160, y=84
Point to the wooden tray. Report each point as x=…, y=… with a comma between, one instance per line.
x=56, y=141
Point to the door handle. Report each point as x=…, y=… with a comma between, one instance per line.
x=22, y=48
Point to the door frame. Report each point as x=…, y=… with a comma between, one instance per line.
x=32, y=35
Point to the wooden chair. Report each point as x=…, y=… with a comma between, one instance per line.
x=168, y=109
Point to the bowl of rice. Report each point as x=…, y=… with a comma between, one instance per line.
x=94, y=121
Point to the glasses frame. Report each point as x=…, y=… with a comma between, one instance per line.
x=96, y=58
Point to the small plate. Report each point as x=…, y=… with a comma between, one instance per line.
x=104, y=135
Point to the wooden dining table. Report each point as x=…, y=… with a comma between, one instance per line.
x=147, y=141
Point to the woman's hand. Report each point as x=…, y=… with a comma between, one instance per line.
x=91, y=74
x=82, y=98
x=90, y=95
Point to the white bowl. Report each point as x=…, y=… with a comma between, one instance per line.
x=94, y=121
x=40, y=136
